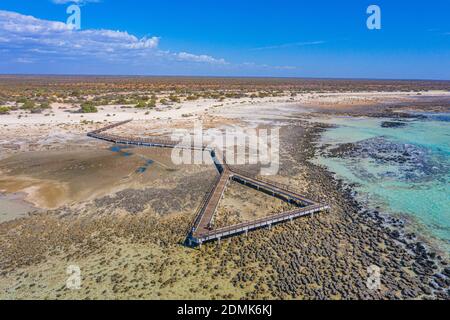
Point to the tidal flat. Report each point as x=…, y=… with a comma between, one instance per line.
x=121, y=214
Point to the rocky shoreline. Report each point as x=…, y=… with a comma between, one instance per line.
x=430, y=268
x=136, y=253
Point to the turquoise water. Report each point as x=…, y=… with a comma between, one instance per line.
x=418, y=188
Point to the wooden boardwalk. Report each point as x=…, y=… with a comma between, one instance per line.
x=202, y=229
x=210, y=208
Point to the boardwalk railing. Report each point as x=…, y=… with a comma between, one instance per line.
x=281, y=189
x=272, y=183
x=203, y=204
x=199, y=230
x=113, y=125
x=213, y=203
x=261, y=222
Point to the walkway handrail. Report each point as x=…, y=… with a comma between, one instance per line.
x=265, y=219
x=271, y=183
x=113, y=125
x=203, y=203
x=226, y=173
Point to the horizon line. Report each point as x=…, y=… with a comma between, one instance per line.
x=214, y=76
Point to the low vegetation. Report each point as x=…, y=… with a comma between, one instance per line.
x=28, y=105
x=4, y=110
x=88, y=107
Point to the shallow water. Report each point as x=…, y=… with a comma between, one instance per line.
x=126, y=151
x=12, y=206
x=145, y=166
x=404, y=170
x=120, y=149
x=51, y=179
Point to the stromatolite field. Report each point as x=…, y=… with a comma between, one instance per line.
x=121, y=213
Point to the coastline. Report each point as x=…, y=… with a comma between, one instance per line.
x=323, y=257
x=386, y=152
x=425, y=258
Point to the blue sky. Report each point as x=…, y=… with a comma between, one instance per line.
x=228, y=38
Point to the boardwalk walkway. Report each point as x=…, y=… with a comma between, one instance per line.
x=201, y=229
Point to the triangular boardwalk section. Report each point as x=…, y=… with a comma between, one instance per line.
x=202, y=229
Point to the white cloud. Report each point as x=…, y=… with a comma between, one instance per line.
x=266, y=66
x=184, y=56
x=28, y=36
x=288, y=45
x=29, y=44
x=23, y=60
x=29, y=33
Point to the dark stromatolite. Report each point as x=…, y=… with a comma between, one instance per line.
x=393, y=124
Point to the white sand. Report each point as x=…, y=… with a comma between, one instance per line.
x=62, y=124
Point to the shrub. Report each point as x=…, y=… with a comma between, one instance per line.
x=4, y=110
x=88, y=107
x=45, y=105
x=192, y=98
x=122, y=101
x=76, y=93
x=141, y=105
x=174, y=98
x=152, y=103
x=28, y=105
